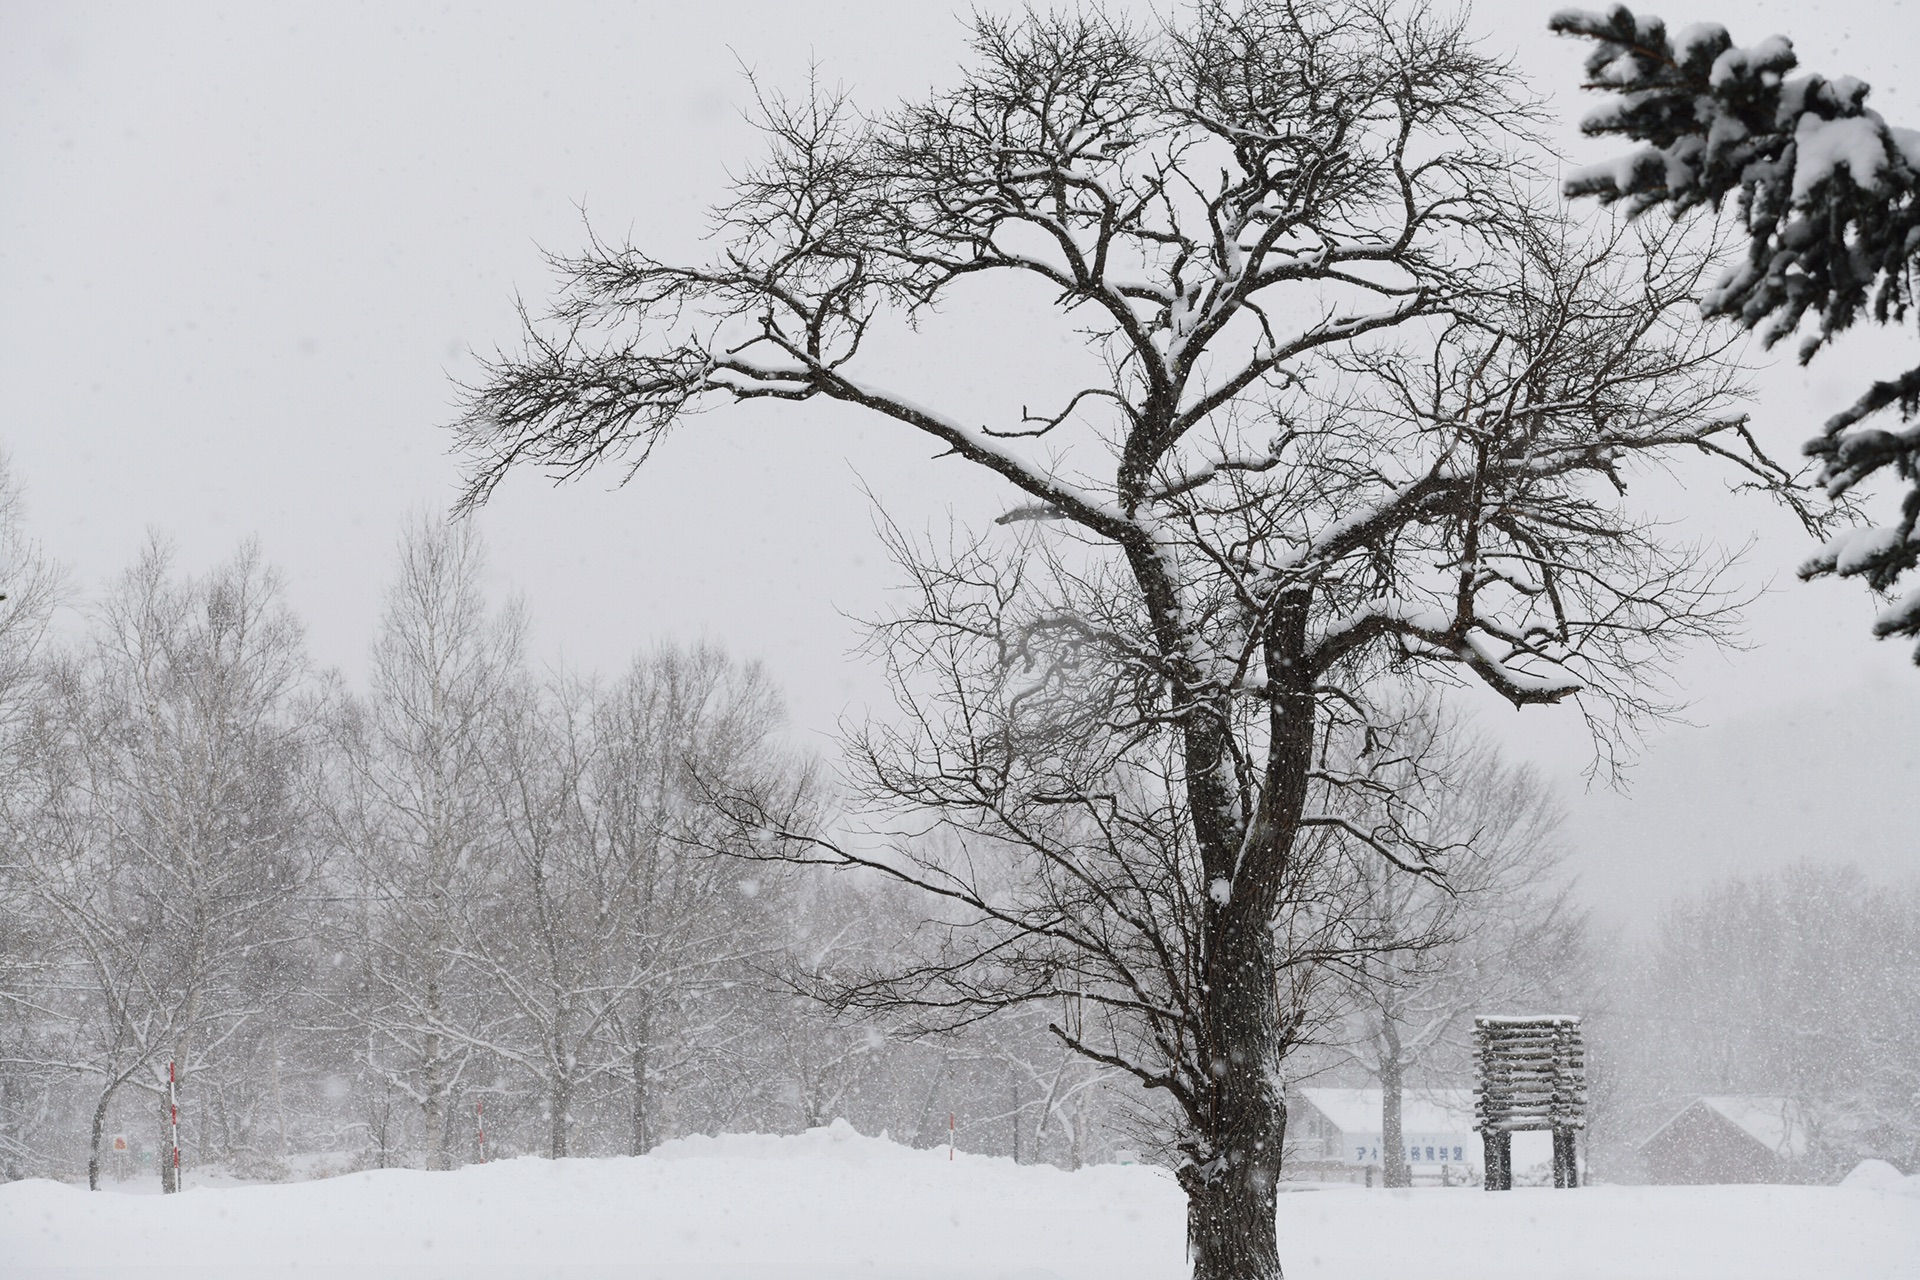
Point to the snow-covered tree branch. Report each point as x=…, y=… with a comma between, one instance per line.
x=1828, y=194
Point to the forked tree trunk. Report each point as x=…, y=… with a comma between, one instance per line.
x=1232, y=1198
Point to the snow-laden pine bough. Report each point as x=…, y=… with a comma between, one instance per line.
x=1355, y=418
x=1828, y=194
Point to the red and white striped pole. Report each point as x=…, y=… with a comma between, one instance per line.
x=480, y=1126
x=173, y=1108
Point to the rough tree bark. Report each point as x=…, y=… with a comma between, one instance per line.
x=1395, y=1171
x=433, y=1101
x=559, y=1115
x=96, y=1132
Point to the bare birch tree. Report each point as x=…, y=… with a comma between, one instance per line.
x=34, y=1039
x=420, y=816
x=679, y=725
x=191, y=830
x=534, y=931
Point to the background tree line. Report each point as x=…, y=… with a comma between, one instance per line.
x=1800, y=984
x=351, y=918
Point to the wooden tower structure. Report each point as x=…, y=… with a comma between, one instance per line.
x=1533, y=1075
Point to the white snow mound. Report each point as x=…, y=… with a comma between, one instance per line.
x=1878, y=1175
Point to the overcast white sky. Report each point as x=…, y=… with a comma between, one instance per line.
x=243, y=250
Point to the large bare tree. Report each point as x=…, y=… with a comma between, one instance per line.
x=1359, y=415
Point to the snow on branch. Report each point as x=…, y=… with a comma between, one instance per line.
x=1828, y=194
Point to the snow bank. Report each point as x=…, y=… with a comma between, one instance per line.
x=1878, y=1175
x=832, y=1203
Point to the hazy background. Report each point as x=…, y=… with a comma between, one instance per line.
x=244, y=251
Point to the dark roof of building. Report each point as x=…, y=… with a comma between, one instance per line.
x=1775, y=1123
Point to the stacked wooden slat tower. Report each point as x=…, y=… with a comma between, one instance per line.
x=1533, y=1075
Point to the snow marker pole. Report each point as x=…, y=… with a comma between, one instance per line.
x=173, y=1108
x=949, y=1135
x=480, y=1126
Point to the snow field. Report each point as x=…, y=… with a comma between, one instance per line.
x=830, y=1203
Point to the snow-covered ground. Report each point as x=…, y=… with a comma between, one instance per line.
x=832, y=1203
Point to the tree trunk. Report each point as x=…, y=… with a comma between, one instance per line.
x=279, y=1099
x=1077, y=1147
x=1231, y=1197
x=164, y=1151
x=559, y=1099
x=1013, y=1112
x=1230, y=1208
x=936, y=1084
x=1232, y=1189
x=642, y=1127
x=377, y=1123
x=1394, y=1170
x=1046, y=1108
x=99, y=1126
x=433, y=1106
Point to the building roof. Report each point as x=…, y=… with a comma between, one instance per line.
x=1773, y=1122
x=1421, y=1110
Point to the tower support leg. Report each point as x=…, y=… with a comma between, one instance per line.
x=1497, y=1147
x=1566, y=1171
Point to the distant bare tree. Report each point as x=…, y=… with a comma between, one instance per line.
x=679, y=724
x=536, y=930
x=188, y=829
x=1801, y=984
x=418, y=812
x=831, y=1063
x=33, y=762
x=1361, y=416
x=605, y=936
x=1497, y=933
